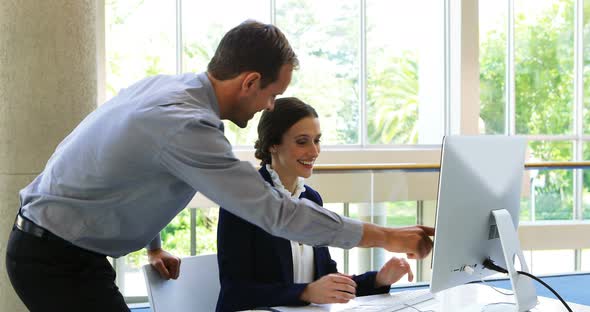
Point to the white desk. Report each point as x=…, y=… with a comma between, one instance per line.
x=466, y=298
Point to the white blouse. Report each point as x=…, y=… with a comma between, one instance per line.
x=303, y=261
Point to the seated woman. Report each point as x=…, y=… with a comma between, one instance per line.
x=260, y=270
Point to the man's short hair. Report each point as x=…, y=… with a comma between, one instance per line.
x=252, y=46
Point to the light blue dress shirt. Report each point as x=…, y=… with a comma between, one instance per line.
x=135, y=162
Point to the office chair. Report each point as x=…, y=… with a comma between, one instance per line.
x=196, y=289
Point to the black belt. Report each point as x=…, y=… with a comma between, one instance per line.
x=27, y=226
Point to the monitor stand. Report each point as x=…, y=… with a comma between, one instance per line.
x=524, y=291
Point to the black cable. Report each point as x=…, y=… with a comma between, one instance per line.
x=545, y=284
x=489, y=264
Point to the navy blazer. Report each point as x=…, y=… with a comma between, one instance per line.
x=256, y=268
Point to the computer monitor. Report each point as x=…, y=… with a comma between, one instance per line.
x=477, y=213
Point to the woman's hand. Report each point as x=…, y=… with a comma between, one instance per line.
x=392, y=271
x=331, y=288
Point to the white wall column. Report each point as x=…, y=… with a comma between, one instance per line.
x=47, y=85
x=464, y=63
x=470, y=67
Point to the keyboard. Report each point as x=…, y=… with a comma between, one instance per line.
x=394, y=302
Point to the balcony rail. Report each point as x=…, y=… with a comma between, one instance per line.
x=436, y=166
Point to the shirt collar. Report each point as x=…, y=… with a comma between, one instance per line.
x=281, y=188
x=204, y=79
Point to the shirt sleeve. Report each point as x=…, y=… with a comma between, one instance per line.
x=200, y=155
x=156, y=243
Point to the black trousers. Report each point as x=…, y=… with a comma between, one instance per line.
x=50, y=274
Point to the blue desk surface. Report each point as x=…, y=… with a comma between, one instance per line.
x=572, y=287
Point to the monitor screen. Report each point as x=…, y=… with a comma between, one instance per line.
x=478, y=174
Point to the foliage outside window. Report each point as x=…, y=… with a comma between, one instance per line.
x=544, y=93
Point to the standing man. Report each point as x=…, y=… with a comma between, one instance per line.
x=134, y=163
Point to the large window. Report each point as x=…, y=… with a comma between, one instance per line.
x=137, y=43
x=372, y=80
x=404, y=72
x=527, y=67
x=381, y=74
x=533, y=58
x=373, y=72
x=326, y=38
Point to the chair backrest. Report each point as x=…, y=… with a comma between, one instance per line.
x=196, y=288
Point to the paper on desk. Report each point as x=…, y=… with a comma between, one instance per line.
x=352, y=305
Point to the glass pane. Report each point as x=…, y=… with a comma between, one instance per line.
x=201, y=34
x=586, y=69
x=338, y=188
x=544, y=57
x=206, y=230
x=399, y=213
x=585, y=260
x=586, y=195
x=549, y=151
x=362, y=259
x=129, y=276
x=396, y=195
x=551, y=193
x=405, y=71
x=543, y=261
x=527, y=194
x=492, y=60
x=337, y=254
x=325, y=36
x=586, y=184
x=382, y=213
x=551, y=196
x=176, y=237
x=402, y=213
x=140, y=41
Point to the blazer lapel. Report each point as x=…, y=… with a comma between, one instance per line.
x=318, y=258
x=281, y=245
x=283, y=248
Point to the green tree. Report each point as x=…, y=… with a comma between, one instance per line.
x=492, y=86
x=544, y=95
x=543, y=73
x=176, y=236
x=393, y=101
x=328, y=49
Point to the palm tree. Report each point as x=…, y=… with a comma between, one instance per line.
x=393, y=101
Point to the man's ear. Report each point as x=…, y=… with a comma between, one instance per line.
x=251, y=81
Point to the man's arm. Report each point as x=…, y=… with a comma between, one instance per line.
x=201, y=156
x=413, y=240
x=165, y=263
